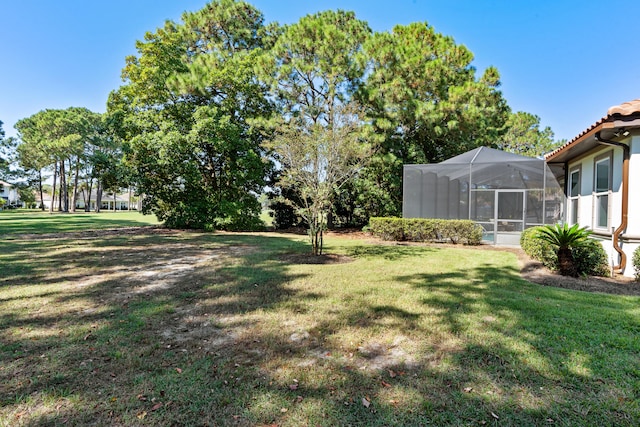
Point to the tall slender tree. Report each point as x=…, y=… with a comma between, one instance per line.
x=319, y=130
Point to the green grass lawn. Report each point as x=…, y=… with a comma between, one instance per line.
x=20, y=221
x=163, y=327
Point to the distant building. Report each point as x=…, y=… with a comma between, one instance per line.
x=9, y=193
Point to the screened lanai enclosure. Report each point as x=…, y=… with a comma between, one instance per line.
x=503, y=192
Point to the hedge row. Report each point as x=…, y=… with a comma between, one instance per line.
x=427, y=230
x=590, y=257
x=636, y=263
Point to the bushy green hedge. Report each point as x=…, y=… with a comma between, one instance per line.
x=590, y=258
x=387, y=228
x=538, y=249
x=427, y=230
x=636, y=263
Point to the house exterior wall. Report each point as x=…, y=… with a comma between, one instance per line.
x=9, y=193
x=587, y=204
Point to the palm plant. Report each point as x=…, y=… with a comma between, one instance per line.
x=565, y=238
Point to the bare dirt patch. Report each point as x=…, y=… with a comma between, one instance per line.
x=92, y=234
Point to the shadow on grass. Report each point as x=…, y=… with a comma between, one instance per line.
x=17, y=223
x=174, y=329
x=388, y=252
x=119, y=305
x=559, y=350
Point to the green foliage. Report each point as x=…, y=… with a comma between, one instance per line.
x=591, y=259
x=378, y=187
x=427, y=230
x=525, y=137
x=636, y=263
x=26, y=194
x=387, y=228
x=589, y=256
x=426, y=104
x=564, y=236
x=185, y=111
x=318, y=137
x=6, y=150
x=461, y=231
x=69, y=141
x=538, y=249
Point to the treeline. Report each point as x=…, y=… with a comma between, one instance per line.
x=321, y=115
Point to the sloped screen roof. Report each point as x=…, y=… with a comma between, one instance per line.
x=454, y=188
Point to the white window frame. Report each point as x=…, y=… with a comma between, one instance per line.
x=571, y=209
x=599, y=193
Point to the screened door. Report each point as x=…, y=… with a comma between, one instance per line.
x=510, y=214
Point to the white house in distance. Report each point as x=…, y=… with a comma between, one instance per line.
x=9, y=193
x=109, y=202
x=602, y=182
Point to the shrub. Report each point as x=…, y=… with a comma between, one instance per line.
x=636, y=263
x=538, y=249
x=427, y=230
x=284, y=215
x=462, y=231
x=419, y=230
x=589, y=256
x=387, y=228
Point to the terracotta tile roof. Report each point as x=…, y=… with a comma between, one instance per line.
x=617, y=111
x=626, y=108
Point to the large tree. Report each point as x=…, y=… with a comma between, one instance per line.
x=426, y=104
x=5, y=153
x=319, y=140
x=189, y=97
x=57, y=139
x=525, y=137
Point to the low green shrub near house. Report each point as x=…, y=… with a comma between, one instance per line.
x=426, y=230
x=387, y=228
x=590, y=258
x=636, y=263
x=538, y=249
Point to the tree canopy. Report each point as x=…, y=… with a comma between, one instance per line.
x=60, y=140
x=220, y=107
x=525, y=137
x=425, y=104
x=187, y=104
x=318, y=125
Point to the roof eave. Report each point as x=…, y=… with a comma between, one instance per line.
x=587, y=141
x=578, y=146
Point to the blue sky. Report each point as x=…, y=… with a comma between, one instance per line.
x=566, y=61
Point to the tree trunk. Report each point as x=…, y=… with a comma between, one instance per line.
x=74, y=196
x=114, y=201
x=62, y=191
x=53, y=187
x=40, y=189
x=84, y=199
x=566, y=263
x=129, y=204
x=87, y=207
x=98, y=196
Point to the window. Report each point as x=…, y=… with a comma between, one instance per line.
x=602, y=188
x=574, y=195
